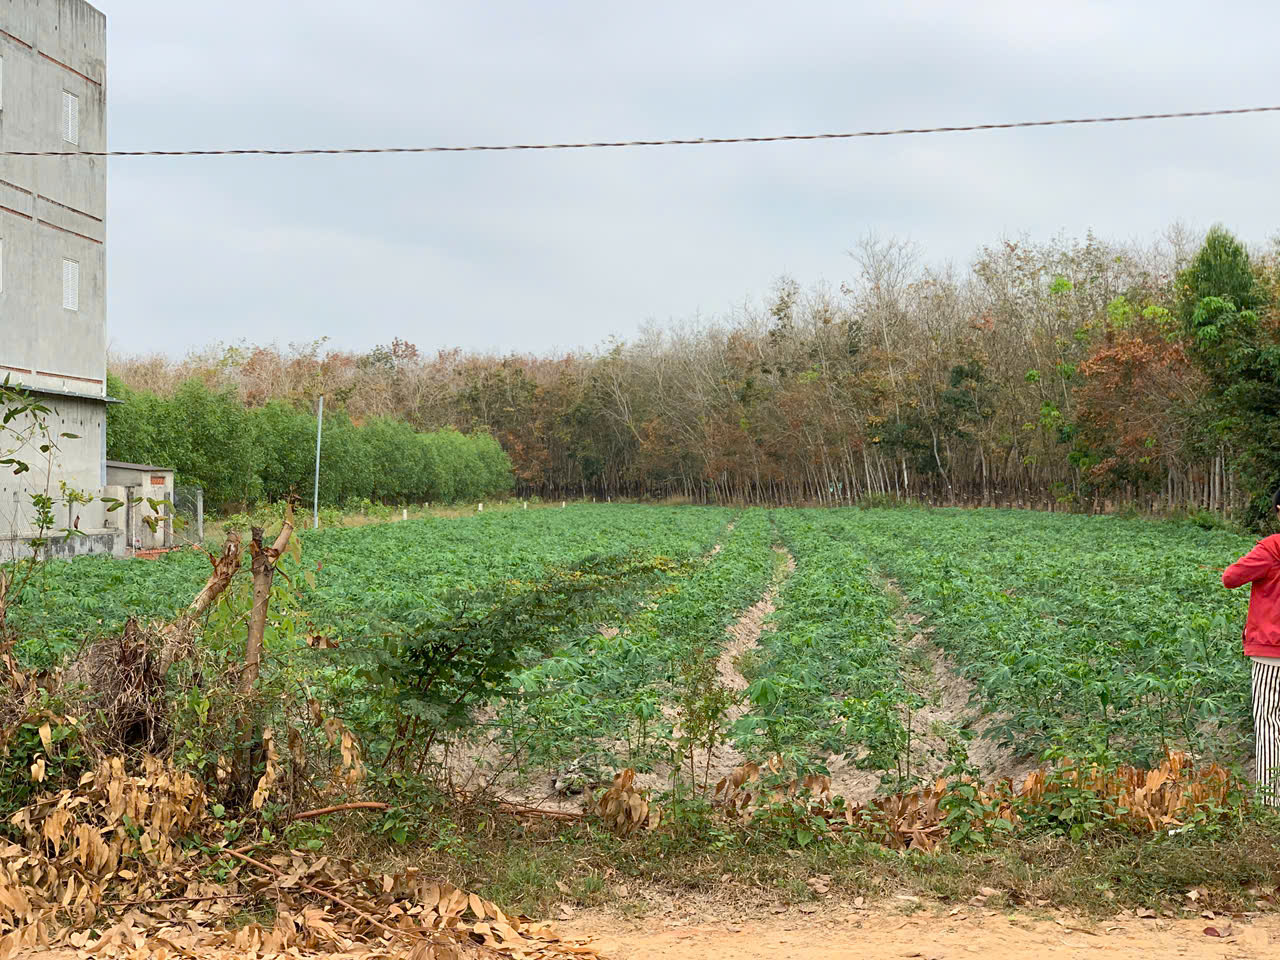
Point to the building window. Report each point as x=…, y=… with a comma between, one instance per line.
x=1, y=81
x=70, y=118
x=70, y=285
x=1, y=265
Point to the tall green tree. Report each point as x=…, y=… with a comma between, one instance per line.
x=1221, y=306
x=242, y=455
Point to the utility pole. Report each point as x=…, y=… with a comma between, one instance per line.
x=315, y=496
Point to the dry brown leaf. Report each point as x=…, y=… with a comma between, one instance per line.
x=325, y=903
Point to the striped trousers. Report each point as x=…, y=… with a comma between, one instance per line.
x=1266, y=729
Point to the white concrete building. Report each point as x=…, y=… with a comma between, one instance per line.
x=138, y=486
x=53, y=254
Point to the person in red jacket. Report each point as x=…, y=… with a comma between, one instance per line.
x=1261, y=568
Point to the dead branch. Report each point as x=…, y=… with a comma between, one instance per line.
x=224, y=568
x=176, y=638
x=358, y=805
x=521, y=810
x=195, y=898
x=263, y=565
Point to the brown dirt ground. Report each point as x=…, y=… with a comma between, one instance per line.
x=716, y=927
x=883, y=931
x=870, y=935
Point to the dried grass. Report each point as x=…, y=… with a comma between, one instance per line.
x=118, y=683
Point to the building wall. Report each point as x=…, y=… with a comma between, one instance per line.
x=132, y=520
x=52, y=208
x=76, y=461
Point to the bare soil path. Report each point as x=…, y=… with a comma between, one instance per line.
x=881, y=934
x=875, y=932
x=744, y=633
x=864, y=935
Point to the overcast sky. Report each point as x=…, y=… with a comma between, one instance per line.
x=534, y=251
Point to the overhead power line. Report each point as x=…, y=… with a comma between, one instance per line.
x=610, y=144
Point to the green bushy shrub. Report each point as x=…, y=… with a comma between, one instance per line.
x=245, y=456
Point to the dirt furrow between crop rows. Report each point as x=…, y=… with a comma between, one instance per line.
x=948, y=709
x=742, y=636
x=744, y=633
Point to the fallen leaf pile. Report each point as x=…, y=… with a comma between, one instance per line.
x=625, y=808
x=1142, y=800
x=1151, y=800
x=117, y=868
x=916, y=819
x=743, y=791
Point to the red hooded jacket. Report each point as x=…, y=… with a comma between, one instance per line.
x=1260, y=567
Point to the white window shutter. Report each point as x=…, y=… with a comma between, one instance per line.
x=70, y=285
x=70, y=118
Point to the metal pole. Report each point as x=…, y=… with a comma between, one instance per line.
x=315, y=496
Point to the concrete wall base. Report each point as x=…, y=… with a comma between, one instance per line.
x=66, y=548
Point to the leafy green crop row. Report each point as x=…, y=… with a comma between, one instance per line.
x=1090, y=633
x=1097, y=634
x=367, y=580
x=827, y=677
x=614, y=695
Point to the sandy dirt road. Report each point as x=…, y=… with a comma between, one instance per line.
x=870, y=935
x=839, y=934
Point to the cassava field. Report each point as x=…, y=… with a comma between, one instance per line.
x=1095, y=636
x=686, y=712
